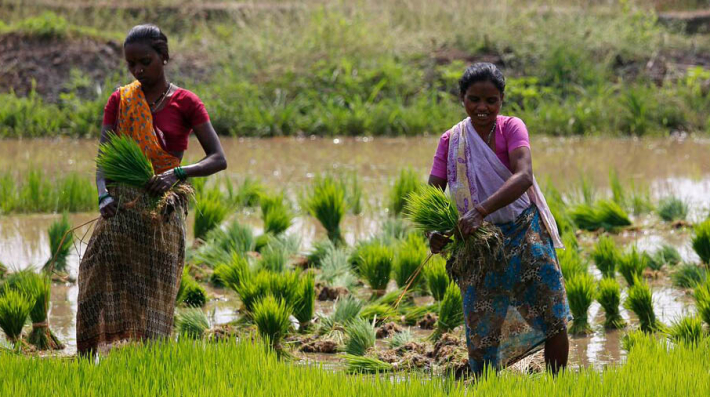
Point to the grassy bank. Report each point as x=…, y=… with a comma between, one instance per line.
x=247, y=369
x=390, y=68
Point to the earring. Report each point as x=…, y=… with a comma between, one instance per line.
x=165, y=62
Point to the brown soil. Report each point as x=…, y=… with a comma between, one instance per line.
x=428, y=321
x=387, y=330
x=326, y=293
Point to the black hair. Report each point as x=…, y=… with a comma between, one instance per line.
x=150, y=34
x=482, y=71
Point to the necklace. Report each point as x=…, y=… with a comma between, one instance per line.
x=155, y=104
x=490, y=134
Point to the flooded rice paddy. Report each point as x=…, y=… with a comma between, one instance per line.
x=666, y=166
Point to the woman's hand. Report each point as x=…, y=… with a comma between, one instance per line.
x=437, y=242
x=470, y=221
x=108, y=207
x=159, y=184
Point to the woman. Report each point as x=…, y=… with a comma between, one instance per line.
x=486, y=162
x=130, y=273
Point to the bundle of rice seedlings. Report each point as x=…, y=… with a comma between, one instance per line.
x=59, y=253
x=249, y=193
x=640, y=200
x=431, y=210
x=325, y=201
x=3, y=270
x=609, y=297
x=436, y=278
x=355, y=258
x=450, y=311
x=393, y=229
x=410, y=254
x=580, y=294
x=361, y=336
x=273, y=258
x=407, y=183
x=38, y=288
x=271, y=317
x=672, y=209
x=392, y=297
x=701, y=241
x=570, y=241
x=346, y=310
x=617, y=190
x=378, y=313
x=276, y=214
x=604, y=214
x=634, y=338
x=416, y=313
x=688, y=330
x=353, y=193
x=220, y=244
x=320, y=249
x=191, y=293
x=606, y=256
x=400, y=339
x=366, y=365
x=283, y=286
x=702, y=301
x=233, y=272
x=640, y=301
x=587, y=190
x=632, y=265
x=209, y=213
x=121, y=160
x=688, y=275
x=191, y=323
x=668, y=254
x=334, y=265
x=376, y=267
x=14, y=309
x=571, y=262
x=305, y=305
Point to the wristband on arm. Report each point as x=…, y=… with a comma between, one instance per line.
x=180, y=173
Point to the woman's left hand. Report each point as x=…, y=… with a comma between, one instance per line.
x=469, y=222
x=159, y=184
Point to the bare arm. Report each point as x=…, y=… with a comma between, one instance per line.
x=516, y=185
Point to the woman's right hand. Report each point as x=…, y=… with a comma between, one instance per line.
x=108, y=207
x=437, y=242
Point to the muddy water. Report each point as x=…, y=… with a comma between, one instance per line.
x=666, y=166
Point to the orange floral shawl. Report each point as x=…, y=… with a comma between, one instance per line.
x=136, y=121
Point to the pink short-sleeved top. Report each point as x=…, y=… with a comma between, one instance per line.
x=175, y=120
x=511, y=134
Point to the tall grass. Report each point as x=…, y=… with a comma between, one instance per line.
x=271, y=319
x=606, y=256
x=325, y=201
x=701, y=241
x=609, y=297
x=59, y=245
x=376, y=267
x=361, y=336
x=191, y=323
x=672, y=209
x=450, y=311
x=632, y=265
x=410, y=254
x=408, y=182
x=580, y=294
x=640, y=301
x=209, y=214
x=437, y=280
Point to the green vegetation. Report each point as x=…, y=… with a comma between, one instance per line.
x=209, y=214
x=609, y=297
x=304, y=308
x=191, y=323
x=378, y=313
x=37, y=289
x=430, y=209
x=450, y=311
x=687, y=275
x=59, y=244
x=376, y=267
x=631, y=266
x=400, y=339
x=606, y=215
x=672, y=209
x=14, y=309
x=191, y=293
x=702, y=300
x=580, y=294
x=571, y=262
x=271, y=319
x=37, y=193
x=640, y=301
x=220, y=244
x=701, y=241
x=361, y=336
x=436, y=278
x=276, y=214
x=408, y=182
x=325, y=201
x=410, y=254
x=606, y=256
x=687, y=330
x=366, y=365
x=121, y=160
x=667, y=255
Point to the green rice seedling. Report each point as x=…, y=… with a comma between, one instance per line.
x=634, y=338
x=587, y=190
x=14, y=309
x=410, y=254
x=283, y=286
x=209, y=213
x=249, y=193
x=376, y=267
x=606, y=256
x=220, y=244
x=702, y=300
x=609, y=297
x=335, y=269
x=38, y=288
x=585, y=217
x=59, y=253
x=436, y=278
x=604, y=214
x=273, y=258
x=450, y=311
x=407, y=182
x=570, y=241
x=672, y=209
x=400, y=339
x=431, y=210
x=191, y=293
x=233, y=272
x=393, y=229
x=366, y=365
x=688, y=330
x=392, y=297
x=640, y=301
x=325, y=201
x=36, y=193
x=3, y=270
x=631, y=265
x=571, y=262
x=580, y=294
x=305, y=306
x=262, y=241
x=416, y=313
x=75, y=193
x=276, y=214
x=669, y=255
x=353, y=193
x=378, y=313
x=346, y=310
x=640, y=200
x=355, y=258
x=320, y=249
x=617, y=190
x=271, y=317
x=688, y=275
x=121, y=160
x=701, y=241
x=361, y=336
x=8, y=193
x=191, y=323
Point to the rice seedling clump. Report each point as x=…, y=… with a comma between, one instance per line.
x=450, y=311
x=580, y=294
x=320, y=249
x=571, y=262
x=233, y=272
x=209, y=213
x=191, y=293
x=436, y=278
x=378, y=313
x=407, y=183
x=431, y=210
x=361, y=336
x=640, y=301
x=609, y=297
x=366, y=365
x=38, y=288
x=376, y=267
x=59, y=249
x=325, y=201
x=273, y=258
x=400, y=339
x=283, y=286
x=606, y=215
x=702, y=301
x=276, y=214
x=606, y=256
x=14, y=309
x=688, y=275
x=410, y=254
x=701, y=241
x=688, y=330
x=192, y=323
x=672, y=209
x=271, y=317
x=304, y=307
x=632, y=265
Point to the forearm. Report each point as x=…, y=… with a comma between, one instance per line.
x=209, y=165
x=511, y=190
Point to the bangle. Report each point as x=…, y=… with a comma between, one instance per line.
x=180, y=173
x=481, y=210
x=104, y=197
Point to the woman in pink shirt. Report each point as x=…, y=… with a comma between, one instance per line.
x=485, y=160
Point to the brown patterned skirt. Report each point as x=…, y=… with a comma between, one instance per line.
x=130, y=273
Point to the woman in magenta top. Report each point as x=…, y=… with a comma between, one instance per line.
x=520, y=305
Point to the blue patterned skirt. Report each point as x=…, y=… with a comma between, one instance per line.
x=512, y=310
